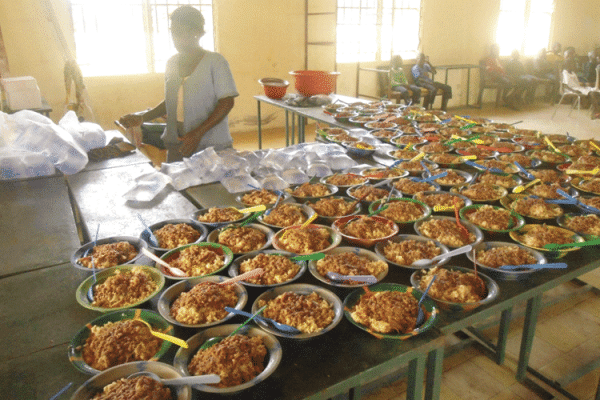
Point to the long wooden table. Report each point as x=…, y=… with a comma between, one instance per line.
x=40, y=314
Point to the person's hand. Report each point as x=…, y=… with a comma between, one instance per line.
x=189, y=143
x=131, y=120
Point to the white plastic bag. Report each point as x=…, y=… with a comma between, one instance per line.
x=22, y=164
x=87, y=134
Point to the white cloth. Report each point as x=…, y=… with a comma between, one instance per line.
x=204, y=87
x=570, y=79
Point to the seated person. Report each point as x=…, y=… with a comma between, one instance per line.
x=544, y=69
x=589, y=68
x=526, y=83
x=572, y=83
x=399, y=83
x=572, y=60
x=420, y=72
x=497, y=74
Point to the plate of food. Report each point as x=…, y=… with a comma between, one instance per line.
x=306, y=240
x=331, y=208
x=348, y=261
x=480, y=192
x=344, y=181
x=365, y=231
x=453, y=177
x=120, y=287
x=587, y=185
x=286, y=214
x=277, y=264
x=389, y=310
x=263, y=196
x=108, y=252
x=586, y=225
x=173, y=233
x=242, y=239
x=442, y=202
x=456, y=289
x=537, y=236
x=309, y=308
x=532, y=208
x=492, y=219
x=411, y=185
x=490, y=256
x=312, y=191
x=401, y=210
x=446, y=231
x=403, y=250
x=196, y=260
x=216, y=217
x=115, y=338
x=257, y=354
x=199, y=302
x=115, y=383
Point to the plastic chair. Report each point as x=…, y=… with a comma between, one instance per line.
x=485, y=82
x=564, y=92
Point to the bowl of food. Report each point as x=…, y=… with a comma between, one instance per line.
x=456, y=289
x=586, y=225
x=277, y=264
x=407, y=139
x=506, y=181
x=411, y=186
x=365, y=231
x=389, y=310
x=589, y=204
x=403, y=250
x=199, y=302
x=263, y=196
x=402, y=210
x=115, y=382
x=242, y=239
x=331, y=208
x=549, y=158
x=416, y=168
x=312, y=191
x=120, y=287
x=537, y=236
x=115, y=338
x=257, y=354
x=344, y=181
x=348, y=261
x=505, y=166
x=587, y=185
x=286, y=214
x=331, y=108
x=490, y=256
x=369, y=193
x=216, y=217
x=331, y=131
x=309, y=308
x=446, y=231
x=453, y=177
x=380, y=174
x=525, y=160
x=345, y=116
x=196, y=259
x=307, y=240
x=274, y=88
x=442, y=202
x=108, y=252
x=492, y=219
x=173, y=233
x=446, y=160
x=532, y=208
x=481, y=192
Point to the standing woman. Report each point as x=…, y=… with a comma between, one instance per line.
x=199, y=92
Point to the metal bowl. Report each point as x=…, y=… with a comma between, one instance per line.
x=138, y=243
x=75, y=349
x=506, y=274
x=467, y=176
x=328, y=219
x=379, y=249
x=239, y=197
x=306, y=210
x=213, y=237
x=203, y=211
x=332, y=191
x=312, y=266
x=304, y=289
x=471, y=227
x=95, y=384
x=465, y=199
x=194, y=224
x=234, y=268
x=491, y=287
x=339, y=223
x=217, y=248
x=184, y=356
x=171, y=294
x=335, y=238
x=550, y=254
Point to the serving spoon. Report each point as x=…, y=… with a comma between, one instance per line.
x=278, y=325
x=421, y=314
x=185, y=380
x=173, y=270
x=534, y=266
x=428, y=261
x=151, y=238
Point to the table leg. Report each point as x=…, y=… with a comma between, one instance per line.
x=293, y=126
x=534, y=306
x=502, y=335
x=416, y=372
x=598, y=391
x=287, y=129
x=468, y=84
x=301, y=131
x=433, y=382
x=259, y=126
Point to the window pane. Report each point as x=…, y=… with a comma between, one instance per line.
x=537, y=34
x=509, y=34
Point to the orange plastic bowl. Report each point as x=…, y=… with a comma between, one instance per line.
x=310, y=83
x=275, y=88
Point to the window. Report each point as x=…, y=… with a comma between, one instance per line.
x=524, y=25
x=121, y=37
x=373, y=30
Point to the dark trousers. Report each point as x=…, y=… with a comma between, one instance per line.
x=433, y=87
x=416, y=93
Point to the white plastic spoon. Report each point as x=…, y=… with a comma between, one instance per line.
x=426, y=261
x=173, y=270
x=186, y=380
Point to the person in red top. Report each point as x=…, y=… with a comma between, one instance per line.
x=496, y=73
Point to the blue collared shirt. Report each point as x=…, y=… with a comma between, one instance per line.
x=421, y=72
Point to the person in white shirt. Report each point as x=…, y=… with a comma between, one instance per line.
x=571, y=83
x=199, y=92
